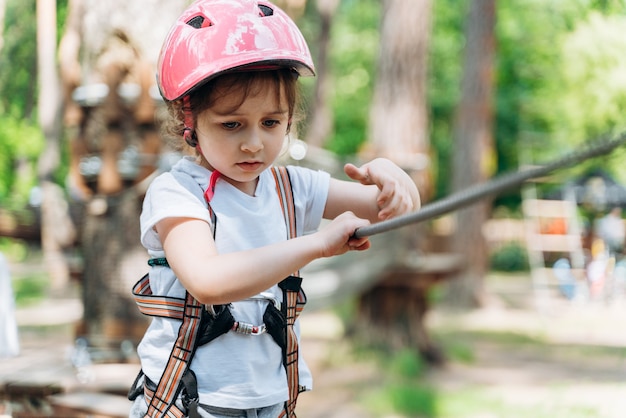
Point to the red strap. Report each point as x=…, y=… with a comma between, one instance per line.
x=210, y=191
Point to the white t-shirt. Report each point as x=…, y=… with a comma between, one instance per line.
x=235, y=370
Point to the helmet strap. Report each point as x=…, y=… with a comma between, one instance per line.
x=215, y=175
x=210, y=191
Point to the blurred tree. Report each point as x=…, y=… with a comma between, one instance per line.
x=111, y=123
x=444, y=76
x=399, y=131
x=321, y=120
x=57, y=230
x=20, y=138
x=474, y=155
x=399, y=113
x=3, y=9
x=19, y=47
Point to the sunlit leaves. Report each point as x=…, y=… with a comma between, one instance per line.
x=20, y=146
x=594, y=75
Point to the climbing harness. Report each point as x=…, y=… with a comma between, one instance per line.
x=201, y=324
x=493, y=187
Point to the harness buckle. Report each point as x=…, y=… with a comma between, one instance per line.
x=248, y=329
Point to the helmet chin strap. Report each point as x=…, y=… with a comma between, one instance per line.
x=190, y=138
x=210, y=191
x=215, y=175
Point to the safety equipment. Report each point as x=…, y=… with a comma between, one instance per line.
x=199, y=326
x=215, y=36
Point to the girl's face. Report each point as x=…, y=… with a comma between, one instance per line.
x=242, y=136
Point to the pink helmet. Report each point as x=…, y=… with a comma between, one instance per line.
x=214, y=36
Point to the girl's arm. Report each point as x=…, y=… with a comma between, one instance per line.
x=218, y=279
x=384, y=191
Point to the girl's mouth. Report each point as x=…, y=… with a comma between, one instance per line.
x=250, y=165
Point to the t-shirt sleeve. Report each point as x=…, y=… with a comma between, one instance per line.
x=167, y=198
x=310, y=189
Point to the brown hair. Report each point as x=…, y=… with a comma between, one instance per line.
x=241, y=84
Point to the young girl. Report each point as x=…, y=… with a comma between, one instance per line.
x=223, y=287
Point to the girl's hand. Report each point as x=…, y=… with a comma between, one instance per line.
x=337, y=237
x=398, y=193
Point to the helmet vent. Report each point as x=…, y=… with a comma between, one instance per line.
x=199, y=22
x=265, y=10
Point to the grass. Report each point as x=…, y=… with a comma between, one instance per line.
x=407, y=387
x=403, y=390
x=407, y=399
x=480, y=403
x=30, y=289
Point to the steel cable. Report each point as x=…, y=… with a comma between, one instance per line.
x=493, y=187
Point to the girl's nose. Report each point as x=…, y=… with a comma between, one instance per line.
x=253, y=143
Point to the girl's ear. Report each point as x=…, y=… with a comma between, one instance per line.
x=191, y=138
x=288, y=126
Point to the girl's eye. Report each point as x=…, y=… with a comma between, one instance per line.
x=230, y=125
x=270, y=123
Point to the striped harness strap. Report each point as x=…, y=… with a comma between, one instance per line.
x=293, y=296
x=191, y=313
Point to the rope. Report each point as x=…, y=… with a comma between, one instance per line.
x=492, y=187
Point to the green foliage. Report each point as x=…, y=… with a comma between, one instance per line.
x=478, y=402
x=20, y=144
x=407, y=364
x=18, y=60
x=510, y=257
x=413, y=399
x=560, y=74
x=460, y=352
x=536, y=118
x=405, y=391
x=62, y=11
x=444, y=80
x=14, y=249
x=21, y=140
x=29, y=290
x=354, y=48
x=594, y=98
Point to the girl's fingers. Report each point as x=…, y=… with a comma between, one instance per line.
x=360, y=244
x=357, y=173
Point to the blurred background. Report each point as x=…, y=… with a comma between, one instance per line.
x=510, y=307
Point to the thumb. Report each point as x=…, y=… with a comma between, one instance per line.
x=356, y=173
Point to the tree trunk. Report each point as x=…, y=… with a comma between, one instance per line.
x=392, y=312
x=119, y=134
x=321, y=123
x=113, y=261
x=57, y=229
x=399, y=115
x=474, y=154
